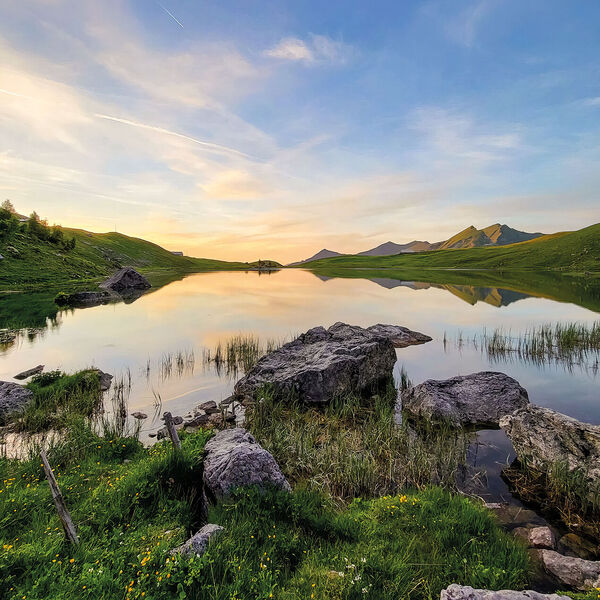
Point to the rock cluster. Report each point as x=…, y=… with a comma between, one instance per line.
x=480, y=399
x=324, y=363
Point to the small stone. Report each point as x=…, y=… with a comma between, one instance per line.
x=196, y=421
x=465, y=592
x=208, y=406
x=30, y=372
x=198, y=543
x=139, y=415
x=542, y=537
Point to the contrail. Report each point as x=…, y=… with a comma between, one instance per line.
x=208, y=145
x=2, y=91
x=171, y=15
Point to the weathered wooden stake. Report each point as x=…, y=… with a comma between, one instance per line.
x=59, y=502
x=168, y=417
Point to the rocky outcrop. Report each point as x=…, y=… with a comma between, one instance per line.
x=465, y=592
x=126, y=279
x=542, y=437
x=233, y=459
x=480, y=399
x=13, y=399
x=30, y=372
x=324, y=363
x=575, y=572
x=198, y=543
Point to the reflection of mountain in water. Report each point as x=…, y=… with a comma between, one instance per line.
x=469, y=293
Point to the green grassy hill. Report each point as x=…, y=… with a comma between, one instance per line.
x=29, y=260
x=576, y=252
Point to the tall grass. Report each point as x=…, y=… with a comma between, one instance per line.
x=566, y=344
x=354, y=447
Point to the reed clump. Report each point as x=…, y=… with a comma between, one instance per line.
x=355, y=447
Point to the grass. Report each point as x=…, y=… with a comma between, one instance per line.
x=57, y=397
x=568, y=344
x=576, y=251
x=354, y=447
x=95, y=256
x=131, y=505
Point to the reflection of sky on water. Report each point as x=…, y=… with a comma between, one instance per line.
x=203, y=309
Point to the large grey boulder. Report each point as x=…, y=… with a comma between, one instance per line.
x=198, y=543
x=13, y=398
x=479, y=399
x=575, y=572
x=324, y=363
x=465, y=592
x=543, y=437
x=126, y=279
x=234, y=459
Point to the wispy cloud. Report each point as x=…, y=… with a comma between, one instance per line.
x=316, y=49
x=208, y=145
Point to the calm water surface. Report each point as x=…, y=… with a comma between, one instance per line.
x=202, y=310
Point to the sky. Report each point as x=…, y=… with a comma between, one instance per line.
x=243, y=129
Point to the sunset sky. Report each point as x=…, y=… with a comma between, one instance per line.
x=270, y=129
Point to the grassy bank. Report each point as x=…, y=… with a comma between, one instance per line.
x=577, y=251
x=132, y=505
x=35, y=254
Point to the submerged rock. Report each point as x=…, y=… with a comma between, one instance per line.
x=126, y=279
x=13, y=398
x=233, y=459
x=198, y=543
x=543, y=437
x=30, y=372
x=465, y=592
x=577, y=573
x=479, y=399
x=324, y=363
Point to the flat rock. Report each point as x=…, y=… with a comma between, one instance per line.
x=322, y=364
x=542, y=437
x=465, y=592
x=126, y=279
x=209, y=405
x=400, y=336
x=233, y=459
x=13, y=398
x=139, y=415
x=30, y=372
x=198, y=543
x=196, y=421
x=479, y=399
x=577, y=573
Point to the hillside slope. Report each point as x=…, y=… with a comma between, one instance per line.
x=28, y=260
x=576, y=251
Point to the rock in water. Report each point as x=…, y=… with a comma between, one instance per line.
x=480, y=399
x=324, y=363
x=465, y=592
x=401, y=337
x=30, y=372
x=84, y=298
x=105, y=380
x=543, y=437
x=13, y=398
x=198, y=543
x=575, y=572
x=126, y=279
x=233, y=459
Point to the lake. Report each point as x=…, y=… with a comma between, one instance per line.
x=194, y=314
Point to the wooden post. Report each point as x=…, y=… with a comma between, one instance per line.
x=168, y=417
x=59, y=502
